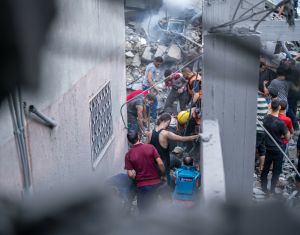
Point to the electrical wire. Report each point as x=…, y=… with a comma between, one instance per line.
x=178, y=70
x=241, y=19
x=275, y=142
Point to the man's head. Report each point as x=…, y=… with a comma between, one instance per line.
x=178, y=151
x=273, y=93
x=283, y=105
x=164, y=119
x=188, y=161
x=167, y=73
x=186, y=72
x=275, y=105
x=281, y=71
x=158, y=61
x=133, y=136
x=262, y=66
x=149, y=99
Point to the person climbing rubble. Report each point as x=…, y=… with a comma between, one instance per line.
x=137, y=115
x=194, y=85
x=178, y=91
x=149, y=80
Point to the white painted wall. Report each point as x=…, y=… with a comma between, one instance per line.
x=85, y=48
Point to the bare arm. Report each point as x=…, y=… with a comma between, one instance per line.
x=161, y=166
x=196, y=97
x=131, y=174
x=287, y=135
x=172, y=136
x=150, y=78
x=148, y=135
x=140, y=116
x=266, y=91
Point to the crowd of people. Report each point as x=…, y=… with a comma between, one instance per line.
x=169, y=154
x=277, y=124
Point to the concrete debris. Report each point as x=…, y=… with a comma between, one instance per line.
x=136, y=62
x=285, y=188
x=147, y=54
x=177, y=40
x=161, y=51
x=129, y=54
x=128, y=61
x=174, y=54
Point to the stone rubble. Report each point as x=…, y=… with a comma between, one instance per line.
x=175, y=48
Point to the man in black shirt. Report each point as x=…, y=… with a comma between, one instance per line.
x=278, y=131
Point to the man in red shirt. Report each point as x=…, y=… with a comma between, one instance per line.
x=282, y=116
x=143, y=164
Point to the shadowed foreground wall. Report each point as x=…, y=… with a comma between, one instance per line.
x=84, y=50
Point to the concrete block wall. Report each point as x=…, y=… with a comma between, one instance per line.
x=84, y=50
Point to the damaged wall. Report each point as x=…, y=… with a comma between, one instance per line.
x=84, y=50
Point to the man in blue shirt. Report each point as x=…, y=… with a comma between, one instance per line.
x=150, y=79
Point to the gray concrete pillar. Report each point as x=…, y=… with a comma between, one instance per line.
x=230, y=76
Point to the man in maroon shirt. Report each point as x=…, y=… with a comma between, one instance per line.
x=143, y=164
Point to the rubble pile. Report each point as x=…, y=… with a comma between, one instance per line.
x=286, y=188
x=177, y=40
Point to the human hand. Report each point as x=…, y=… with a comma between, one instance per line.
x=163, y=178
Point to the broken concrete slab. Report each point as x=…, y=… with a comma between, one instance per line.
x=136, y=60
x=128, y=46
x=161, y=50
x=174, y=54
x=128, y=61
x=147, y=54
x=129, y=54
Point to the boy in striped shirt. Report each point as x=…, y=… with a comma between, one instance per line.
x=262, y=110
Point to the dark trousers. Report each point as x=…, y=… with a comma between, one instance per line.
x=275, y=157
x=153, y=110
x=291, y=112
x=147, y=196
x=172, y=97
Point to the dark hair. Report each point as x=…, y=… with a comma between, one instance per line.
x=283, y=104
x=133, y=136
x=281, y=71
x=262, y=64
x=273, y=92
x=150, y=97
x=275, y=105
x=167, y=73
x=158, y=59
x=188, y=161
x=164, y=117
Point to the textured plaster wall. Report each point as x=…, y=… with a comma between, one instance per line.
x=85, y=48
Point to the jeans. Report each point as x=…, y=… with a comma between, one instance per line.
x=133, y=126
x=147, y=196
x=275, y=157
x=153, y=112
